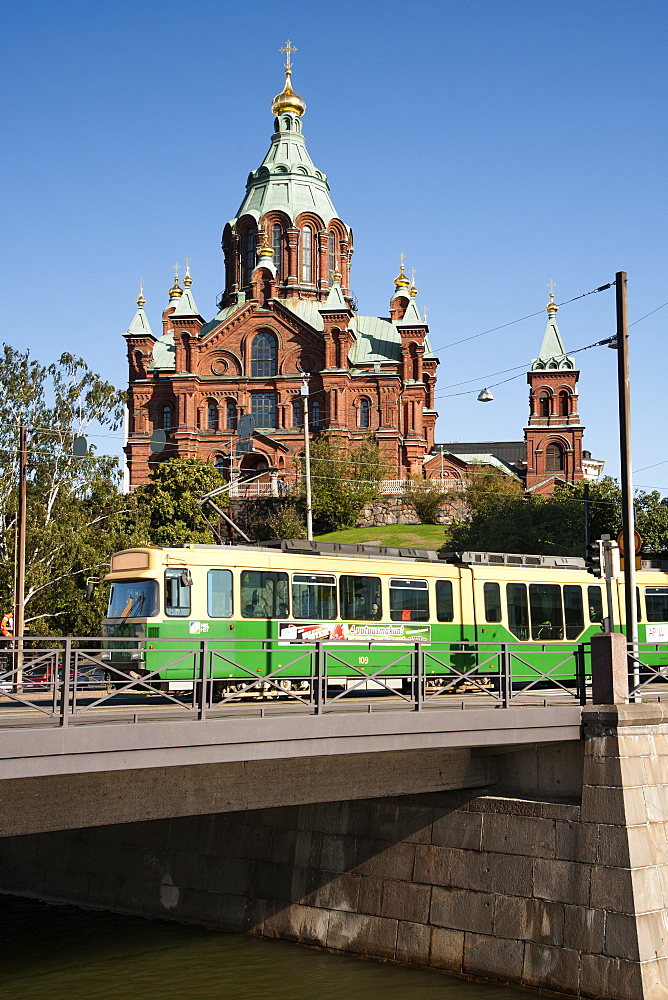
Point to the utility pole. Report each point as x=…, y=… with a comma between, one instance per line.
x=628, y=513
x=307, y=463
x=19, y=593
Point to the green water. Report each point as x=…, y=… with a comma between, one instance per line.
x=62, y=953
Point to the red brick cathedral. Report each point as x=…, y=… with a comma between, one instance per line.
x=286, y=310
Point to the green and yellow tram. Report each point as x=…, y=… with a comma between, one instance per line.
x=254, y=605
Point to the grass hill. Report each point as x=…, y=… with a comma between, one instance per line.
x=417, y=536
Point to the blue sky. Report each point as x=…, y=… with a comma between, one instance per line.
x=497, y=144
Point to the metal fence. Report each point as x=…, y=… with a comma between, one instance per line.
x=70, y=681
x=648, y=671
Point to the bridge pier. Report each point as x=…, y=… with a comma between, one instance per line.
x=555, y=876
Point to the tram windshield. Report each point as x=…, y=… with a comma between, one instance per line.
x=133, y=599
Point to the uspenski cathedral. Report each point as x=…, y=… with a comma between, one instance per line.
x=287, y=319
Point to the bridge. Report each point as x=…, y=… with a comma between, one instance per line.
x=105, y=745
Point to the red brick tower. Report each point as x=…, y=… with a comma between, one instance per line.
x=554, y=435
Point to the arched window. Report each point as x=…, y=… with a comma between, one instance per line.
x=166, y=418
x=263, y=355
x=544, y=404
x=307, y=254
x=297, y=413
x=364, y=412
x=331, y=244
x=277, y=246
x=554, y=458
x=564, y=403
x=248, y=256
x=211, y=416
x=314, y=415
x=231, y=415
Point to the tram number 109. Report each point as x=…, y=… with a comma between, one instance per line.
x=362, y=660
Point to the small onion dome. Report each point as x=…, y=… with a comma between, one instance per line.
x=552, y=306
x=141, y=301
x=412, y=291
x=287, y=100
x=175, y=292
x=266, y=248
x=187, y=281
x=401, y=281
x=336, y=276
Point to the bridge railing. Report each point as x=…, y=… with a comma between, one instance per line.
x=648, y=671
x=72, y=680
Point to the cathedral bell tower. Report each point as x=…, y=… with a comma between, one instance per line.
x=286, y=219
x=554, y=434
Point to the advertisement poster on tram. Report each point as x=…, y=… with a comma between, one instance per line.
x=353, y=632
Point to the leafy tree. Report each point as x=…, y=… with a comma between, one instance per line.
x=344, y=477
x=503, y=518
x=167, y=509
x=286, y=522
x=71, y=502
x=426, y=497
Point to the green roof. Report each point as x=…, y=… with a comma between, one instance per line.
x=552, y=355
x=287, y=179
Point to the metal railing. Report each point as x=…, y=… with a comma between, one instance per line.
x=70, y=681
x=240, y=489
x=648, y=671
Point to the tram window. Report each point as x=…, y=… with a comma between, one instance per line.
x=656, y=602
x=546, y=616
x=595, y=601
x=264, y=595
x=219, y=593
x=409, y=601
x=445, y=609
x=492, y=594
x=313, y=596
x=518, y=609
x=573, y=611
x=638, y=607
x=360, y=598
x=177, y=592
x=133, y=599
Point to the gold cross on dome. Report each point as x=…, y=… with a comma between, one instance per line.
x=288, y=49
x=141, y=286
x=402, y=258
x=187, y=260
x=412, y=276
x=551, y=285
x=426, y=312
x=176, y=271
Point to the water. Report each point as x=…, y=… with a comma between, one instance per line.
x=61, y=952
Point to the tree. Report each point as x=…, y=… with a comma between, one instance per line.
x=503, y=518
x=426, y=497
x=167, y=509
x=344, y=477
x=72, y=503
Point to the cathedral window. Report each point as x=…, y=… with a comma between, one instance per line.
x=222, y=464
x=331, y=246
x=544, y=404
x=211, y=416
x=297, y=413
x=564, y=403
x=167, y=418
x=263, y=356
x=364, y=412
x=314, y=415
x=307, y=254
x=554, y=458
x=248, y=256
x=263, y=408
x=277, y=247
x=231, y=415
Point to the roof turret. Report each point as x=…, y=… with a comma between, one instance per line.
x=185, y=302
x=140, y=326
x=552, y=355
x=287, y=180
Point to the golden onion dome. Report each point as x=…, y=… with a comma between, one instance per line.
x=412, y=291
x=401, y=281
x=187, y=281
x=287, y=100
x=552, y=306
x=141, y=301
x=265, y=249
x=175, y=292
x=336, y=276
